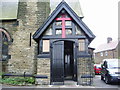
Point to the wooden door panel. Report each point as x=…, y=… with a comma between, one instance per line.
x=57, y=69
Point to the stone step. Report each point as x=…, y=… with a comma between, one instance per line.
x=70, y=82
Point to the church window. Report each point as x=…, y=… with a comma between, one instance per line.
x=68, y=31
x=30, y=40
x=46, y=46
x=68, y=23
x=58, y=23
x=81, y=45
x=58, y=31
x=63, y=21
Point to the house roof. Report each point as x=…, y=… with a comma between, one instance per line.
x=67, y=8
x=107, y=46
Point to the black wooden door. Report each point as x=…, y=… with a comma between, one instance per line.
x=57, y=63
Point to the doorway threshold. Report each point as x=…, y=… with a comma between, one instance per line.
x=70, y=82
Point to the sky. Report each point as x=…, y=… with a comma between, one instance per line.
x=101, y=16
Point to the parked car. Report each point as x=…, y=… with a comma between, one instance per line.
x=110, y=70
x=97, y=68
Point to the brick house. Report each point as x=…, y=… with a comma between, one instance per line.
x=52, y=44
x=108, y=50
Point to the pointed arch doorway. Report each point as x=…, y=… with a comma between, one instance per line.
x=63, y=61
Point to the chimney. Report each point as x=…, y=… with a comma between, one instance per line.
x=109, y=39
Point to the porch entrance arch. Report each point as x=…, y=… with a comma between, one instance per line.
x=63, y=61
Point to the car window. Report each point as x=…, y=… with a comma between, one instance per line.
x=114, y=65
x=98, y=66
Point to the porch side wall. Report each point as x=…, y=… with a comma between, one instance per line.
x=85, y=68
x=43, y=68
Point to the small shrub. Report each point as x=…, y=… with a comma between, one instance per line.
x=17, y=80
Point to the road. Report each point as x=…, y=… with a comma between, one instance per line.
x=99, y=83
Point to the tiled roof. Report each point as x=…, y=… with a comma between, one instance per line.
x=107, y=46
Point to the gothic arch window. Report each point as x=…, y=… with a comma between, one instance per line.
x=4, y=43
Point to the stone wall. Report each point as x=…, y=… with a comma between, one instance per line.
x=3, y=66
x=43, y=68
x=23, y=49
x=11, y=27
x=85, y=67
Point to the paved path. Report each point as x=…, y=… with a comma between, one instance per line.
x=98, y=83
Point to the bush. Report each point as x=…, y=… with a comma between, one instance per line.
x=17, y=80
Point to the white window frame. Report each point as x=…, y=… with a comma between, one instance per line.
x=101, y=54
x=106, y=53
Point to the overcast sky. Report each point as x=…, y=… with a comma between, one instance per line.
x=101, y=16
